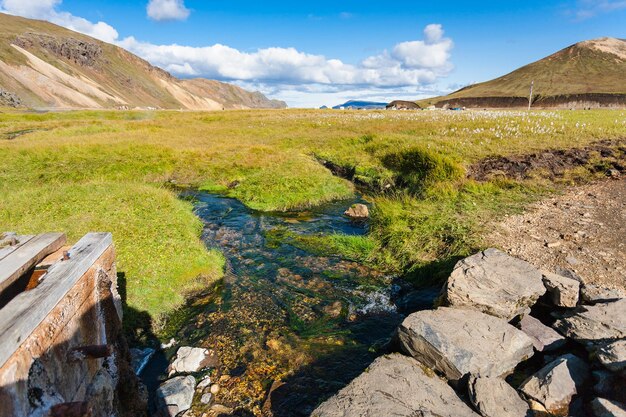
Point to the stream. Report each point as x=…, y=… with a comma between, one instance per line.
x=290, y=327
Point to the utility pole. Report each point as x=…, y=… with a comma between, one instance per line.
x=530, y=97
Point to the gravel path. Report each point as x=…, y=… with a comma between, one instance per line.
x=583, y=230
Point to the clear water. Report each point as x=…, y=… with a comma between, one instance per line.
x=290, y=327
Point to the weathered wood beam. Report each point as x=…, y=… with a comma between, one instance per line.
x=14, y=265
x=7, y=249
x=21, y=316
x=91, y=352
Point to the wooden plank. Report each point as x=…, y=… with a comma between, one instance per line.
x=27, y=256
x=6, y=250
x=24, y=313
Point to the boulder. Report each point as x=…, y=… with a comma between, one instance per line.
x=494, y=283
x=175, y=395
x=358, y=211
x=606, y=408
x=563, y=291
x=592, y=294
x=191, y=359
x=457, y=342
x=493, y=397
x=613, y=355
x=395, y=385
x=595, y=323
x=544, y=338
x=554, y=385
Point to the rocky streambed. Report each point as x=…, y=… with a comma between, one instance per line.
x=288, y=327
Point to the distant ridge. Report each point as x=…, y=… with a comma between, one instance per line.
x=43, y=65
x=587, y=74
x=360, y=105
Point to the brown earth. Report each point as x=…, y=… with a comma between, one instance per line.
x=599, y=156
x=583, y=230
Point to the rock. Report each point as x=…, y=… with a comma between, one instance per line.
x=169, y=344
x=206, y=398
x=592, y=294
x=606, y=408
x=139, y=358
x=395, y=385
x=613, y=173
x=596, y=322
x=358, y=211
x=177, y=392
x=563, y=291
x=204, y=383
x=215, y=388
x=457, y=342
x=494, y=283
x=190, y=359
x=101, y=393
x=555, y=384
x=544, y=338
x=220, y=409
x=613, y=355
x=493, y=397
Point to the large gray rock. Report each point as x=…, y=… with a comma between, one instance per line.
x=357, y=211
x=494, y=283
x=613, y=355
x=606, y=408
x=554, y=385
x=175, y=395
x=592, y=294
x=457, y=342
x=563, y=291
x=493, y=397
x=596, y=322
x=191, y=359
x=395, y=385
x=543, y=337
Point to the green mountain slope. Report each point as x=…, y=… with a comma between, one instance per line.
x=588, y=72
x=45, y=65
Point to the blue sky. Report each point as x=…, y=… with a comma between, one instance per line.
x=325, y=52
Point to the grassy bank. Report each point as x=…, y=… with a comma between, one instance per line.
x=83, y=171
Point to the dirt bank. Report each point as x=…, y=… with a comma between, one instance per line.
x=600, y=156
x=583, y=230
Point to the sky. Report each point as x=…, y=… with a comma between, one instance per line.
x=313, y=53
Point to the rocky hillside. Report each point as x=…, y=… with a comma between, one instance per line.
x=587, y=74
x=46, y=66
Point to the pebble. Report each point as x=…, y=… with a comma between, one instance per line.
x=204, y=383
x=206, y=398
x=215, y=388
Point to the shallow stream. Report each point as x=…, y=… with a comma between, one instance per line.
x=290, y=327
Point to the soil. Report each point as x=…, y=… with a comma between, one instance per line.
x=553, y=162
x=583, y=230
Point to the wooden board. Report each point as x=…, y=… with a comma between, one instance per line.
x=26, y=256
x=20, y=317
x=6, y=250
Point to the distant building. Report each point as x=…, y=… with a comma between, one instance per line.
x=403, y=105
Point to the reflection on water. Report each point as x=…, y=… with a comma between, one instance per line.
x=290, y=327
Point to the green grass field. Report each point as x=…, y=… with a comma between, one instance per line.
x=115, y=171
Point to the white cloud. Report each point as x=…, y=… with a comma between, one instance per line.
x=586, y=9
x=161, y=10
x=46, y=10
x=409, y=63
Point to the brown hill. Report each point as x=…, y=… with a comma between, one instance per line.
x=43, y=65
x=587, y=74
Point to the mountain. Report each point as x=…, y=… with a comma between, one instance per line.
x=587, y=74
x=360, y=105
x=43, y=65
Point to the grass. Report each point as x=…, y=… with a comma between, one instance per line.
x=113, y=171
